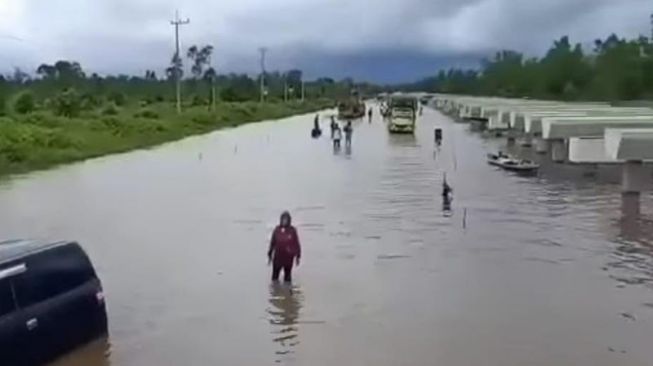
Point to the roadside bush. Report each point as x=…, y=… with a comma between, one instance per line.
x=159, y=98
x=146, y=113
x=117, y=97
x=67, y=103
x=24, y=102
x=229, y=94
x=3, y=105
x=151, y=126
x=197, y=101
x=110, y=109
x=89, y=101
x=42, y=119
x=202, y=118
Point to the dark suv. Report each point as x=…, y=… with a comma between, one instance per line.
x=51, y=301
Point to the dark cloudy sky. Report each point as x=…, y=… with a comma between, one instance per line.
x=379, y=40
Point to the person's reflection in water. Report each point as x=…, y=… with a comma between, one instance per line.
x=284, y=311
x=447, y=195
x=446, y=207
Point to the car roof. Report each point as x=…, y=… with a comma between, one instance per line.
x=15, y=249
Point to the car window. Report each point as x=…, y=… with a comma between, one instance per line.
x=7, y=304
x=51, y=273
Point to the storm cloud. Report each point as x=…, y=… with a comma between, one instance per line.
x=383, y=40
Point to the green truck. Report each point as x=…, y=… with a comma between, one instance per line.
x=402, y=113
x=351, y=109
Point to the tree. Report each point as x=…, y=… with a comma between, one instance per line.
x=46, y=71
x=200, y=57
x=68, y=71
x=175, y=71
x=24, y=102
x=150, y=75
x=294, y=79
x=19, y=76
x=67, y=103
x=209, y=77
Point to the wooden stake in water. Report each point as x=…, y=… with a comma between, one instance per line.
x=465, y=218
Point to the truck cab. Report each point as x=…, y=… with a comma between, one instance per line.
x=402, y=114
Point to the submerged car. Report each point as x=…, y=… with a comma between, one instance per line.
x=51, y=301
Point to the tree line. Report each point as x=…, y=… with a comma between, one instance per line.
x=66, y=87
x=615, y=69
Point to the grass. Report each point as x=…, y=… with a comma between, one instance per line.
x=40, y=140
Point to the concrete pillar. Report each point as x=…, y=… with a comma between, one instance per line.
x=541, y=146
x=630, y=222
x=512, y=137
x=559, y=151
x=630, y=205
x=634, y=178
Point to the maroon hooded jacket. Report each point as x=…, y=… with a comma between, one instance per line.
x=284, y=245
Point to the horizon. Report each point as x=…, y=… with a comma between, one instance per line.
x=388, y=44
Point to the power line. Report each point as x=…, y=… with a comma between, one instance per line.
x=11, y=38
x=176, y=23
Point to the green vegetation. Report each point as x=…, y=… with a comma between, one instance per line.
x=616, y=69
x=61, y=114
x=23, y=102
x=44, y=138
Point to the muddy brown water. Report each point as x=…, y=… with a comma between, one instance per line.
x=549, y=270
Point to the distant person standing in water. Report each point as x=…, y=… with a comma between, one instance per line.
x=316, y=131
x=337, y=136
x=369, y=115
x=349, y=130
x=284, y=248
x=333, y=125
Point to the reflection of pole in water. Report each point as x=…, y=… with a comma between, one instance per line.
x=286, y=303
x=630, y=216
x=630, y=205
x=465, y=218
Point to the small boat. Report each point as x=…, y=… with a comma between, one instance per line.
x=512, y=164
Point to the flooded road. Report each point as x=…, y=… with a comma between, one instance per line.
x=547, y=270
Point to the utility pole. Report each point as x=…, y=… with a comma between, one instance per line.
x=262, y=51
x=651, y=28
x=177, y=22
x=303, y=90
x=285, y=88
x=212, y=83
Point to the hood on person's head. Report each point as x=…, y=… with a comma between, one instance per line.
x=285, y=219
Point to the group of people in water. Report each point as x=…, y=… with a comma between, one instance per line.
x=336, y=132
x=284, y=251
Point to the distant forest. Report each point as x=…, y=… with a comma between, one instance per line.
x=66, y=84
x=615, y=69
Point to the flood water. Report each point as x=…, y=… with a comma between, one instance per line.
x=547, y=270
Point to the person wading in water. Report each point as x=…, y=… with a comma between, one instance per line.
x=337, y=136
x=316, y=131
x=284, y=248
x=349, y=130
